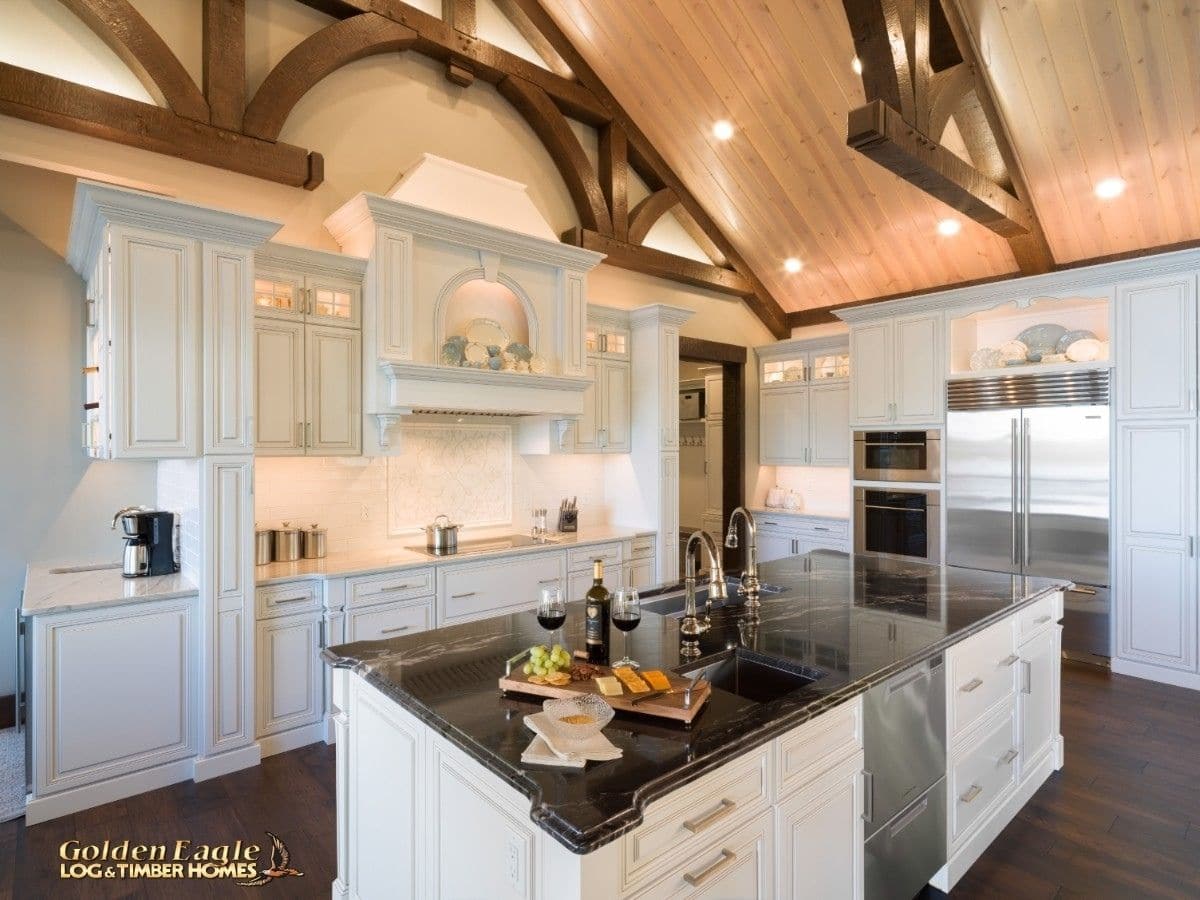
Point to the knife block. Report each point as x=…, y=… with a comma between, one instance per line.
x=568, y=520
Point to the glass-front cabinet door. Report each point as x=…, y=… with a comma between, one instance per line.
x=279, y=295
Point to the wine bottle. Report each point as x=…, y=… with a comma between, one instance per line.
x=596, y=630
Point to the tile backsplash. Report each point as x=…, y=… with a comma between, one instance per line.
x=179, y=492
x=372, y=503
x=824, y=490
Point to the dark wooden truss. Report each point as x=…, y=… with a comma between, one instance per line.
x=213, y=123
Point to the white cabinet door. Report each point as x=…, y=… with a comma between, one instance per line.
x=154, y=295
x=1156, y=480
x=829, y=428
x=714, y=396
x=479, y=590
x=783, y=426
x=714, y=467
x=1156, y=608
x=587, y=426
x=919, y=384
x=774, y=544
x=228, y=349
x=333, y=395
x=578, y=584
x=333, y=301
x=641, y=574
x=278, y=387
x=738, y=866
x=1041, y=661
x=819, y=837
x=871, y=348
x=616, y=406
x=289, y=673
x=1156, y=347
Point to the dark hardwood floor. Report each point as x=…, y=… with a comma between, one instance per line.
x=1122, y=820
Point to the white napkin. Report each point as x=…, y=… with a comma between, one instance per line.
x=597, y=747
x=540, y=754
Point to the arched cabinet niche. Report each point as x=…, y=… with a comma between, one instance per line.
x=492, y=312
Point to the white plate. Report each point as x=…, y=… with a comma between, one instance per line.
x=986, y=358
x=487, y=332
x=1085, y=350
x=1014, y=350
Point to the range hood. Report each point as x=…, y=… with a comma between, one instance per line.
x=438, y=265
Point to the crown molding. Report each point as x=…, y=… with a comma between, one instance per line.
x=801, y=345
x=660, y=314
x=313, y=262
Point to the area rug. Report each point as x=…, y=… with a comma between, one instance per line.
x=12, y=774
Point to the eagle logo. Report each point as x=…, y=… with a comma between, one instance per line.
x=280, y=864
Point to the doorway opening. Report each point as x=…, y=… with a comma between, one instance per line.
x=712, y=436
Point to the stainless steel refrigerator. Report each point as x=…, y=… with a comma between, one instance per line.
x=1027, y=489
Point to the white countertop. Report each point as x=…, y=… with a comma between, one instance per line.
x=370, y=562
x=64, y=588
x=816, y=513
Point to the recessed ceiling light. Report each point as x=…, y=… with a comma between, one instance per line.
x=856, y=65
x=722, y=129
x=1110, y=188
x=793, y=265
x=949, y=227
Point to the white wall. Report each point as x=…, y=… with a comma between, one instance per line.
x=57, y=505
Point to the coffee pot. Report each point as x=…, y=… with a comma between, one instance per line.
x=150, y=545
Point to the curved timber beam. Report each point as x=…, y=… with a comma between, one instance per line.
x=146, y=54
x=551, y=127
x=652, y=208
x=947, y=92
x=315, y=57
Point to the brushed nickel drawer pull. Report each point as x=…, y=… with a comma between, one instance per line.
x=727, y=856
x=553, y=580
x=973, y=792
x=697, y=825
x=396, y=587
x=394, y=630
x=971, y=685
x=1042, y=620
x=290, y=600
x=461, y=596
x=1009, y=660
x=1008, y=757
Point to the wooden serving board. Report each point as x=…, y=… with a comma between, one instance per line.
x=667, y=706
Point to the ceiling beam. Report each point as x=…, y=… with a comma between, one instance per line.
x=535, y=38
x=652, y=208
x=63, y=104
x=224, y=49
x=459, y=15
x=312, y=59
x=146, y=54
x=701, y=237
x=649, y=261
x=614, y=176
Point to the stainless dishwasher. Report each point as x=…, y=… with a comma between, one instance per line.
x=904, y=743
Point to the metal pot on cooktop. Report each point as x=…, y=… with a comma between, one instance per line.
x=441, y=536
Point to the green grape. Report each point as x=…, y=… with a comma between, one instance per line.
x=527, y=669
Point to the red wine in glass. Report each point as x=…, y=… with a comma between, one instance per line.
x=551, y=622
x=626, y=623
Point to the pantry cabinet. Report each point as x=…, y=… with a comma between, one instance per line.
x=605, y=424
x=897, y=376
x=804, y=403
x=1156, y=347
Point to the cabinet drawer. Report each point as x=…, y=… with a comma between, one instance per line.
x=693, y=817
x=285, y=599
x=817, y=746
x=479, y=590
x=1041, y=615
x=981, y=674
x=389, y=620
x=581, y=558
x=642, y=547
x=365, y=590
x=740, y=865
x=823, y=530
x=983, y=772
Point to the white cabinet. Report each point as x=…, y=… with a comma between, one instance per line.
x=783, y=426
x=819, y=837
x=714, y=468
x=604, y=426
x=279, y=365
x=1038, y=701
x=289, y=668
x=1156, y=603
x=897, y=376
x=304, y=297
x=803, y=404
x=739, y=866
x=787, y=534
x=1156, y=348
x=492, y=587
x=389, y=620
x=115, y=692
x=829, y=425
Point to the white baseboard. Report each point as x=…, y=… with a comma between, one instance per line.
x=330, y=730
x=51, y=806
x=965, y=856
x=230, y=761
x=293, y=739
x=340, y=891
x=1156, y=673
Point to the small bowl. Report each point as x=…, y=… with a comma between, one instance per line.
x=584, y=705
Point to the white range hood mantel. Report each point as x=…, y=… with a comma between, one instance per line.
x=420, y=258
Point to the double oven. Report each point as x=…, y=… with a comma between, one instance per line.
x=895, y=517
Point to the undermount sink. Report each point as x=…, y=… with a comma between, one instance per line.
x=94, y=567
x=751, y=675
x=671, y=605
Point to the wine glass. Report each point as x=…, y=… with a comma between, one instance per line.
x=551, y=610
x=626, y=614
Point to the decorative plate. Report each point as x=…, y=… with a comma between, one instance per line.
x=485, y=332
x=1014, y=351
x=793, y=373
x=1085, y=350
x=520, y=351
x=1041, y=339
x=1071, y=337
x=452, y=351
x=476, y=355
x=537, y=366
x=986, y=358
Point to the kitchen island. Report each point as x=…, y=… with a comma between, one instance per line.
x=758, y=797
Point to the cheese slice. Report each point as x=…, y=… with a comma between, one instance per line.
x=609, y=686
x=637, y=686
x=657, y=680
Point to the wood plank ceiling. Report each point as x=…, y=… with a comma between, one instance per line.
x=1089, y=89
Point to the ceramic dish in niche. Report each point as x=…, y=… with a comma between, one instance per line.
x=986, y=358
x=487, y=332
x=1041, y=339
x=1014, y=351
x=476, y=355
x=1085, y=350
x=452, y=351
x=519, y=351
x=537, y=366
x=1077, y=334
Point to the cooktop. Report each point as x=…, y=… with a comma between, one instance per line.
x=485, y=545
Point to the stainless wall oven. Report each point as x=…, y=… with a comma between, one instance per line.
x=898, y=456
x=898, y=522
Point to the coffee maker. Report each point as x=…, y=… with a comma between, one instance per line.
x=150, y=547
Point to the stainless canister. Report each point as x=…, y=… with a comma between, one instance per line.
x=263, y=550
x=313, y=541
x=287, y=543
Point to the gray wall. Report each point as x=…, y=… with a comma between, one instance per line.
x=55, y=504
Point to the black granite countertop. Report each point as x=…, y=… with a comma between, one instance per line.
x=832, y=617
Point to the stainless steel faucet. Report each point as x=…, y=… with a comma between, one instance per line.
x=691, y=625
x=750, y=583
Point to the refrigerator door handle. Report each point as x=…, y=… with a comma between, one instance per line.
x=1015, y=500
x=1026, y=489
